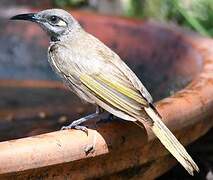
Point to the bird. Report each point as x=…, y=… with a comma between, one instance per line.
x=99, y=76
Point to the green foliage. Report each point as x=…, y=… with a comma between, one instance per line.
x=196, y=14
x=132, y=8
x=63, y=3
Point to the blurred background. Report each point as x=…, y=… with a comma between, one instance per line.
x=192, y=15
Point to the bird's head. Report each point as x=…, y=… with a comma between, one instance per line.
x=56, y=22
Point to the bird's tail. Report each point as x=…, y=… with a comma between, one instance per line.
x=170, y=142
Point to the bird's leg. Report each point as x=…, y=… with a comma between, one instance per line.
x=76, y=124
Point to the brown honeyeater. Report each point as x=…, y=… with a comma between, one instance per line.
x=98, y=75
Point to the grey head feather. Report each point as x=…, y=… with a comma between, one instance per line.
x=57, y=23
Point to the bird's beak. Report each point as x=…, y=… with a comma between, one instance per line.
x=28, y=17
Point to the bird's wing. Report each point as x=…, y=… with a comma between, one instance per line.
x=128, y=73
x=114, y=93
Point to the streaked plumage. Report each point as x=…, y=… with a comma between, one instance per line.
x=98, y=75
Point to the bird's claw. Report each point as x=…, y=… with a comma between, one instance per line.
x=82, y=128
x=73, y=126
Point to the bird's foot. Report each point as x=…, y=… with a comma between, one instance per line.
x=77, y=123
x=73, y=125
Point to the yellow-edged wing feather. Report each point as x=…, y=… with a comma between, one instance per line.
x=115, y=94
x=129, y=92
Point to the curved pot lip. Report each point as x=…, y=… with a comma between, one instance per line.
x=189, y=105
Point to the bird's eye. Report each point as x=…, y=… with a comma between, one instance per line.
x=57, y=21
x=54, y=19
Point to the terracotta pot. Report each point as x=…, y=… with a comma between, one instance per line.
x=175, y=65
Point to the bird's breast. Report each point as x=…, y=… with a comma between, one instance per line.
x=68, y=66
